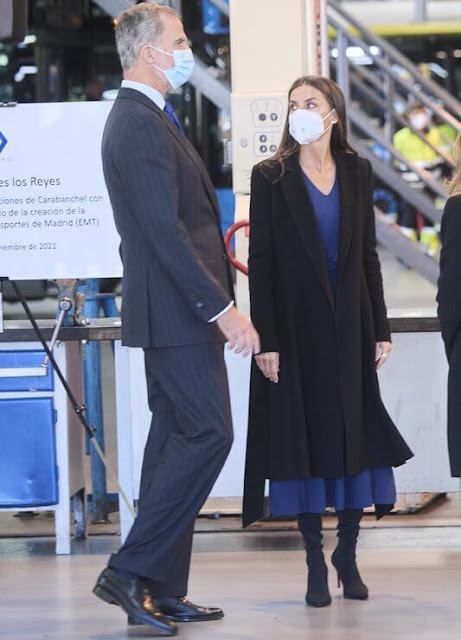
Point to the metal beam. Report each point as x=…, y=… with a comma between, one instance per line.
x=222, y=6
x=217, y=91
x=114, y=7
x=421, y=11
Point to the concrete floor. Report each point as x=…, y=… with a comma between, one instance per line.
x=258, y=578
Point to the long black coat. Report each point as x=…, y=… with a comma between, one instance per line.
x=325, y=417
x=449, y=299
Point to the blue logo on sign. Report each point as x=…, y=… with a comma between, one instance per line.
x=3, y=142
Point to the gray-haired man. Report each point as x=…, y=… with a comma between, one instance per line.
x=178, y=306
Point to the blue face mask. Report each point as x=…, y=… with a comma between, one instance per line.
x=182, y=69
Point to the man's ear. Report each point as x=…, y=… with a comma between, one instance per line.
x=147, y=54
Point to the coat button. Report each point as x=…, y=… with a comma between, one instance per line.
x=224, y=257
x=199, y=305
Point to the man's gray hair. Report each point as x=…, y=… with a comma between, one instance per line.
x=137, y=26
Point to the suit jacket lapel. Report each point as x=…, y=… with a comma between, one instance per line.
x=194, y=156
x=181, y=138
x=346, y=167
x=302, y=211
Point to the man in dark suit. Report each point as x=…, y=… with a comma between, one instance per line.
x=178, y=306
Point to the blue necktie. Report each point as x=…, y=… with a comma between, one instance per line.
x=172, y=115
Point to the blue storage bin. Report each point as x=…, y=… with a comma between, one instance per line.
x=28, y=466
x=25, y=360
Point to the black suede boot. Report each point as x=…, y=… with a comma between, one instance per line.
x=343, y=557
x=318, y=595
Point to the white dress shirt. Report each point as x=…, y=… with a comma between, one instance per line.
x=159, y=100
x=148, y=91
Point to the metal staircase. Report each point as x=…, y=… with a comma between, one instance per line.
x=376, y=78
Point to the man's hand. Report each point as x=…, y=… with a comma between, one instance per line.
x=383, y=351
x=269, y=365
x=239, y=332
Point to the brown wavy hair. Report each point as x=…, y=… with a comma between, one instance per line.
x=454, y=184
x=335, y=98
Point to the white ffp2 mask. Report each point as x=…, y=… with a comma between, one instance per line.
x=307, y=126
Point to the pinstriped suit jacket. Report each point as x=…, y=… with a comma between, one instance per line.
x=175, y=270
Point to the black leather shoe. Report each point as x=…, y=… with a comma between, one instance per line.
x=181, y=610
x=133, y=597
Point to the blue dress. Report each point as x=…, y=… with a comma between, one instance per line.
x=356, y=491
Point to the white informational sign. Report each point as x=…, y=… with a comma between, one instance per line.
x=55, y=215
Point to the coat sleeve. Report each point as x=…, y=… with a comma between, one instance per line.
x=149, y=173
x=261, y=262
x=449, y=291
x=372, y=266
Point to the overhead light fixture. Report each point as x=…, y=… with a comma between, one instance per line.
x=25, y=71
x=358, y=55
x=30, y=39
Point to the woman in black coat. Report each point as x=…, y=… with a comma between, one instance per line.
x=449, y=299
x=318, y=429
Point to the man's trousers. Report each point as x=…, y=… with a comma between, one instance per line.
x=189, y=440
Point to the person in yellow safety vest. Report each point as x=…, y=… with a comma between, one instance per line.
x=448, y=136
x=417, y=151
x=412, y=147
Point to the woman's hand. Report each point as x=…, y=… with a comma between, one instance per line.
x=383, y=351
x=269, y=365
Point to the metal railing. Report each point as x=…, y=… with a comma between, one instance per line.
x=377, y=79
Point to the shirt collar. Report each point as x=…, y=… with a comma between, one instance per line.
x=148, y=91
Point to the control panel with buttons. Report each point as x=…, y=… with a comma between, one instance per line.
x=266, y=144
x=257, y=126
x=267, y=113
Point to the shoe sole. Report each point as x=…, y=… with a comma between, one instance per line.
x=215, y=616
x=133, y=621
x=104, y=595
x=318, y=606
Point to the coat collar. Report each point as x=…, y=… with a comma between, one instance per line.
x=301, y=209
x=132, y=94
